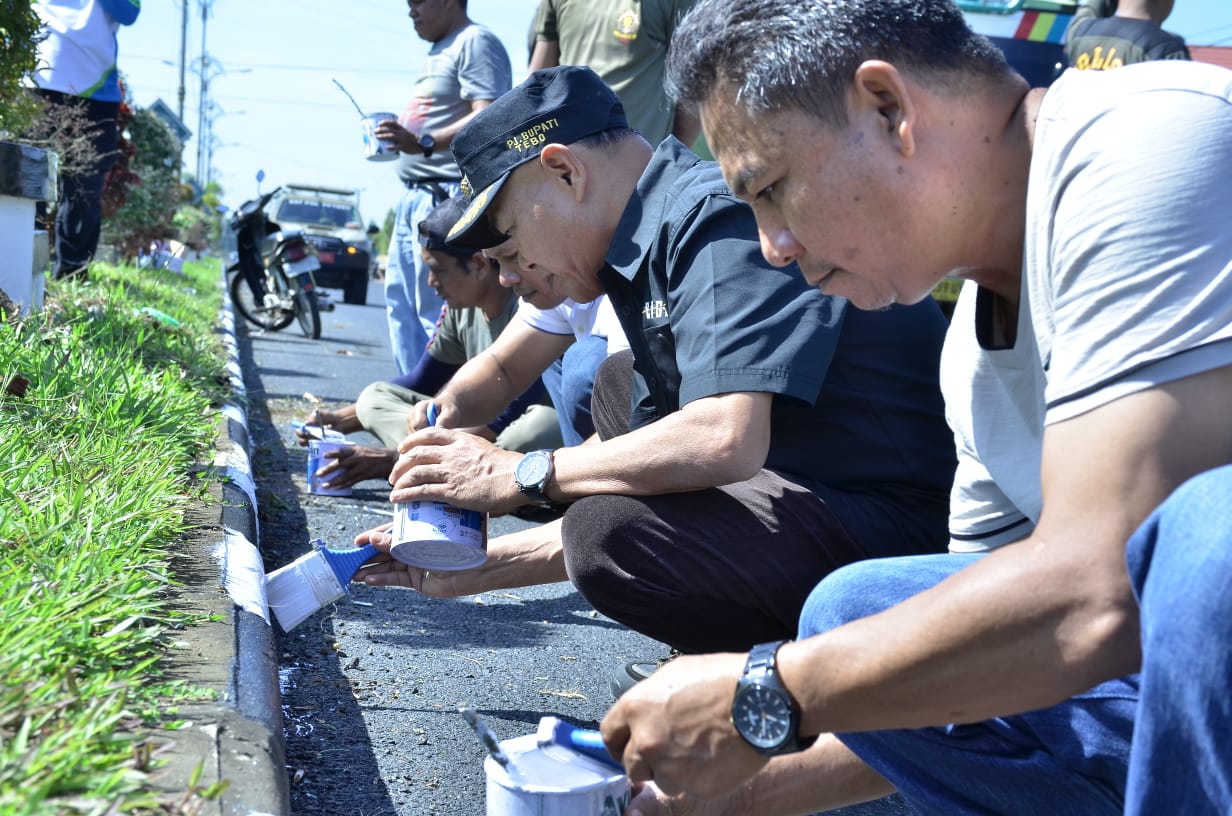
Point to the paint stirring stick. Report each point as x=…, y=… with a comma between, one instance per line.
x=348, y=96
x=489, y=740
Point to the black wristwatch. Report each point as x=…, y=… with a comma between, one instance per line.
x=532, y=476
x=427, y=144
x=763, y=711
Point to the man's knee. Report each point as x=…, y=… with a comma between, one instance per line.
x=612, y=397
x=368, y=402
x=868, y=587
x=598, y=534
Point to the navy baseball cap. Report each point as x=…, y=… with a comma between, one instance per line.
x=434, y=229
x=555, y=105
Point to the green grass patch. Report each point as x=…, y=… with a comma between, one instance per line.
x=123, y=378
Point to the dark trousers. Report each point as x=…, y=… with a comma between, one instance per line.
x=720, y=569
x=79, y=213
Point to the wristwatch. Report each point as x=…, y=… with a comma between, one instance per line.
x=532, y=476
x=427, y=144
x=763, y=711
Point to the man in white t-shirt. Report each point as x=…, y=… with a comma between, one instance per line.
x=1087, y=376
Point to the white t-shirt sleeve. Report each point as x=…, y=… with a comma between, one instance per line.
x=550, y=321
x=1129, y=248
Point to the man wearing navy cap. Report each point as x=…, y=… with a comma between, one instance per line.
x=758, y=436
x=477, y=311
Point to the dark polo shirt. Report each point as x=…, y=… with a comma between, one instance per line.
x=857, y=404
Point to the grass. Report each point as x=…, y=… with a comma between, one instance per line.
x=96, y=459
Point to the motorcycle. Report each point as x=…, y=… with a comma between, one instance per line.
x=272, y=281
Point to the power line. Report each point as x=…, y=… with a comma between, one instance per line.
x=342, y=69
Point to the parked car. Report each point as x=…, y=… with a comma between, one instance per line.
x=331, y=222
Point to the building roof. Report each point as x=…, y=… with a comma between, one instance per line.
x=1214, y=54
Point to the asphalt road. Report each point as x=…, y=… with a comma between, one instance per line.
x=370, y=685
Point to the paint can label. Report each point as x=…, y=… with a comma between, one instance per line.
x=552, y=780
x=436, y=535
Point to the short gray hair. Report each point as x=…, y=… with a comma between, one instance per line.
x=781, y=54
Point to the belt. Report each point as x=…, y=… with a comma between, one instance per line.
x=433, y=186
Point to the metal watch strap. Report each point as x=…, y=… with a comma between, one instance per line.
x=761, y=666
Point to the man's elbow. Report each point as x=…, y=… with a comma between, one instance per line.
x=735, y=456
x=1109, y=640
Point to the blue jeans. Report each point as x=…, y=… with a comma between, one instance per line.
x=1111, y=749
x=1179, y=563
x=570, y=382
x=413, y=308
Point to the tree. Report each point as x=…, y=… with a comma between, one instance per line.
x=380, y=242
x=20, y=33
x=144, y=183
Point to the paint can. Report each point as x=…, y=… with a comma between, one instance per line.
x=552, y=780
x=375, y=149
x=317, y=448
x=436, y=535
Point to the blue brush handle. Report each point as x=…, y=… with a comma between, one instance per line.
x=431, y=413
x=345, y=563
x=584, y=741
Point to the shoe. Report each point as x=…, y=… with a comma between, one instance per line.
x=635, y=672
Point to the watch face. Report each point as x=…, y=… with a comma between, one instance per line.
x=533, y=469
x=762, y=716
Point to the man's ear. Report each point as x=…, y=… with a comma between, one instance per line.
x=478, y=264
x=563, y=165
x=880, y=89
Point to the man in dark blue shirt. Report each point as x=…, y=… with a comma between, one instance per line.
x=1099, y=38
x=757, y=436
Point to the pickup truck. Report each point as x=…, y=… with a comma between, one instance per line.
x=330, y=220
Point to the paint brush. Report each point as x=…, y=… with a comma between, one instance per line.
x=313, y=580
x=555, y=731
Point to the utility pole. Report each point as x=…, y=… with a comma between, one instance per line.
x=205, y=84
x=183, y=63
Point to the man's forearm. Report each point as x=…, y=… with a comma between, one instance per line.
x=822, y=778
x=1021, y=629
x=480, y=390
x=715, y=441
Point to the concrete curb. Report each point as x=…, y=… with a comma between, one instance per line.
x=236, y=738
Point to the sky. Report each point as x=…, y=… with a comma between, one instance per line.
x=272, y=66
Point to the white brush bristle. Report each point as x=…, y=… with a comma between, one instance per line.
x=301, y=588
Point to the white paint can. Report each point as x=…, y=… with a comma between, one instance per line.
x=552, y=780
x=436, y=535
x=376, y=149
x=317, y=448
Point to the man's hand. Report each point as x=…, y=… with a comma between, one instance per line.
x=446, y=414
x=403, y=139
x=675, y=728
x=439, y=464
x=360, y=463
x=343, y=421
x=523, y=558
